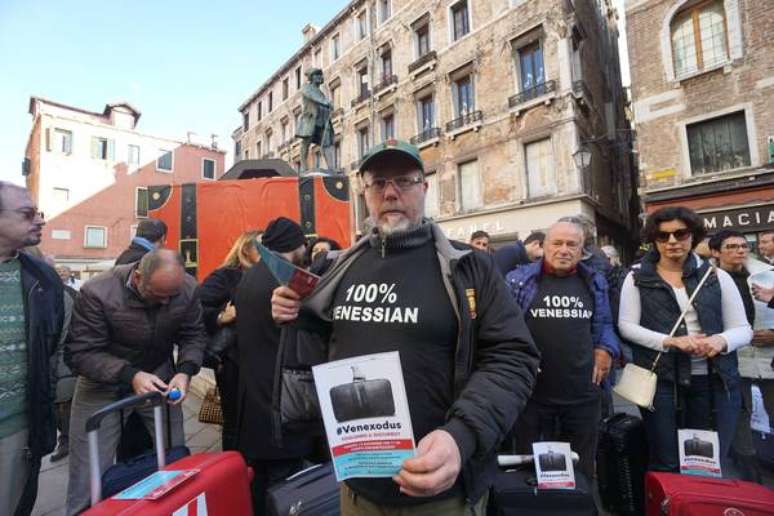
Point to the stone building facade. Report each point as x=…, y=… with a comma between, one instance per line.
x=498, y=95
x=88, y=172
x=702, y=88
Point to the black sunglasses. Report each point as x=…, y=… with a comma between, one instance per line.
x=680, y=235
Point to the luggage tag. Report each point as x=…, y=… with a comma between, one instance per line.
x=553, y=465
x=156, y=485
x=699, y=452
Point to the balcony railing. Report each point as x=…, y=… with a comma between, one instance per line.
x=364, y=95
x=532, y=93
x=386, y=82
x=581, y=90
x=419, y=63
x=427, y=134
x=470, y=118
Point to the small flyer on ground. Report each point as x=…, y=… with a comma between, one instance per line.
x=366, y=415
x=156, y=485
x=553, y=465
x=298, y=279
x=699, y=452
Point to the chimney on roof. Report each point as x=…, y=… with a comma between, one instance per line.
x=214, y=141
x=309, y=31
x=189, y=136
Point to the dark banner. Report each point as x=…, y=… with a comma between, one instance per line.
x=746, y=220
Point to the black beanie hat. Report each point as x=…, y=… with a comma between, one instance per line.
x=283, y=235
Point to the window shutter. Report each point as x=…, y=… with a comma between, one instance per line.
x=94, y=148
x=111, y=150
x=48, y=139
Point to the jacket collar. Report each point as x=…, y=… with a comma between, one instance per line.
x=143, y=243
x=124, y=274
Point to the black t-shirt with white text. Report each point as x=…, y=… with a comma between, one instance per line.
x=559, y=319
x=399, y=303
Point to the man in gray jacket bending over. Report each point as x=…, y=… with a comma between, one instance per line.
x=121, y=335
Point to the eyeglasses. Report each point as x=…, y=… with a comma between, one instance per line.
x=28, y=213
x=680, y=235
x=401, y=183
x=734, y=247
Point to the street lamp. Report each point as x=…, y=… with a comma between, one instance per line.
x=582, y=157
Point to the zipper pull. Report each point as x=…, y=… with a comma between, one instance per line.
x=384, y=247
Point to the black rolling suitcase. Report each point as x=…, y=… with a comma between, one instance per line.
x=697, y=447
x=362, y=398
x=552, y=461
x=622, y=457
x=515, y=493
x=313, y=491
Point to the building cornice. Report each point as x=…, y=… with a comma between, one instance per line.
x=754, y=179
x=315, y=40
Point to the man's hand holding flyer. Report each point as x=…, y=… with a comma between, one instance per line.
x=301, y=281
x=365, y=411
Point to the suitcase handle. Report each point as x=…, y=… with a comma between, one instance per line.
x=93, y=423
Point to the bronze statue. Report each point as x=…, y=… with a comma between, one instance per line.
x=315, y=124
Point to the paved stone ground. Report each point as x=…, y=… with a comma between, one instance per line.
x=53, y=477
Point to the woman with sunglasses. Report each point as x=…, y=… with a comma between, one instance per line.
x=698, y=377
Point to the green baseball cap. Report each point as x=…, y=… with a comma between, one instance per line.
x=391, y=146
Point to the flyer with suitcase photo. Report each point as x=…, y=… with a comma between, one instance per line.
x=699, y=452
x=553, y=465
x=366, y=415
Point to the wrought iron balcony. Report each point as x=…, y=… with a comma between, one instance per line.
x=364, y=95
x=532, y=93
x=386, y=82
x=581, y=90
x=467, y=119
x=419, y=63
x=427, y=134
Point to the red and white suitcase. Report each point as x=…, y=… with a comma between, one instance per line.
x=216, y=484
x=690, y=495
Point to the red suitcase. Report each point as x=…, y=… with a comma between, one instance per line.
x=220, y=488
x=690, y=495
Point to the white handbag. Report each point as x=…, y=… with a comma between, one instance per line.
x=638, y=384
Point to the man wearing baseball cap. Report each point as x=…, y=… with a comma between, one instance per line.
x=468, y=361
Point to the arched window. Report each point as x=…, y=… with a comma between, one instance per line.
x=699, y=37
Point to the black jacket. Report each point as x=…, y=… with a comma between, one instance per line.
x=131, y=254
x=509, y=257
x=496, y=360
x=44, y=315
x=216, y=290
x=258, y=340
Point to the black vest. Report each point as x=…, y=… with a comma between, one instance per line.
x=660, y=311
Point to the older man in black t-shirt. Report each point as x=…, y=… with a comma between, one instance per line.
x=568, y=313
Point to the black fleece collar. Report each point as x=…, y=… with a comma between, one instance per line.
x=409, y=239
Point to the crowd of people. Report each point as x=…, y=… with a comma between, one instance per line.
x=510, y=346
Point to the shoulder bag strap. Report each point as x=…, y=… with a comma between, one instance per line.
x=710, y=269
